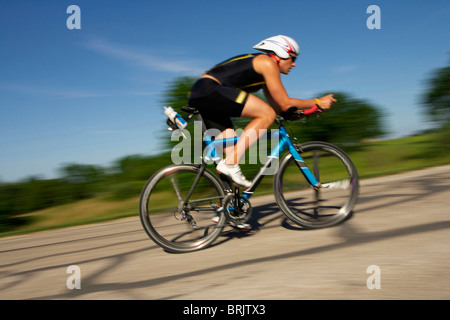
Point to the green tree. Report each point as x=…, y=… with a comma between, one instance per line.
x=135, y=167
x=348, y=120
x=176, y=96
x=177, y=92
x=9, y=195
x=82, y=173
x=437, y=97
x=436, y=102
x=83, y=180
x=29, y=195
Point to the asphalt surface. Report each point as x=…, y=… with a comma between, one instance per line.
x=396, y=246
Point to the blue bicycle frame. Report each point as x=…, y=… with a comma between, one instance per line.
x=284, y=142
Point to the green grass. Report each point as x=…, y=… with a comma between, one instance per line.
x=371, y=159
x=399, y=155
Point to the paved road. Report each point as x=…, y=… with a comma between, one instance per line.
x=401, y=226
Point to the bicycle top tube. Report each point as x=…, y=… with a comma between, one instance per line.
x=211, y=144
x=281, y=134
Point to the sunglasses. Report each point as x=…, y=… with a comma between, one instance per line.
x=293, y=58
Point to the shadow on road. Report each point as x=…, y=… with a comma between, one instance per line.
x=264, y=217
x=349, y=239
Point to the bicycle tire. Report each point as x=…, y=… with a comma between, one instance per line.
x=162, y=208
x=326, y=206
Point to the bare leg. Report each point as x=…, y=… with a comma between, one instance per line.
x=263, y=116
x=228, y=133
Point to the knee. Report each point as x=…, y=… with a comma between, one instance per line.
x=268, y=115
x=257, y=109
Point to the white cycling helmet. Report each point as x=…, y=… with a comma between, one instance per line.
x=282, y=46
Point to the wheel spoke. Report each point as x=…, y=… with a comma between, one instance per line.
x=176, y=187
x=316, y=157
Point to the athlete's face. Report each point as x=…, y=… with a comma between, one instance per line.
x=287, y=64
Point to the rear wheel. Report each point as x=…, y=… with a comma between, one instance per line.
x=173, y=223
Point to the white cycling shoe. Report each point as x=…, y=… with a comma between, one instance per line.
x=234, y=173
x=238, y=225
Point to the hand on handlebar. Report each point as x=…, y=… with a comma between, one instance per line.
x=293, y=114
x=327, y=101
x=323, y=103
x=312, y=110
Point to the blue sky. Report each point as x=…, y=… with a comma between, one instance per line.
x=94, y=95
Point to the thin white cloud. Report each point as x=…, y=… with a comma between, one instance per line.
x=52, y=92
x=143, y=59
x=345, y=69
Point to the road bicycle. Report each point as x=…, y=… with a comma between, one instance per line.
x=316, y=186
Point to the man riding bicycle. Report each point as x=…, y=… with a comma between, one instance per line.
x=225, y=91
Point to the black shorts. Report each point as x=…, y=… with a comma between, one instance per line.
x=217, y=104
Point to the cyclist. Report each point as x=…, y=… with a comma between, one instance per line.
x=225, y=91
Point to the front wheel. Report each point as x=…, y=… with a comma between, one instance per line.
x=323, y=207
x=172, y=220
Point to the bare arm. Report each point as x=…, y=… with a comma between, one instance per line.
x=276, y=93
